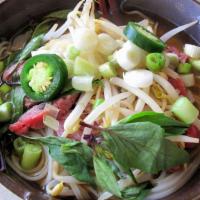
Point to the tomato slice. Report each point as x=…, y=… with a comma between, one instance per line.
x=194, y=132
x=179, y=85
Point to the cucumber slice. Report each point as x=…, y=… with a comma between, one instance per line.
x=143, y=38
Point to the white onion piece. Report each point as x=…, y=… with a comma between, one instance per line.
x=52, y=110
x=77, y=112
x=82, y=83
x=139, y=93
x=104, y=106
x=130, y=56
x=138, y=78
x=106, y=44
x=182, y=138
x=177, y=30
x=188, y=80
x=85, y=39
x=51, y=122
x=192, y=50
x=166, y=85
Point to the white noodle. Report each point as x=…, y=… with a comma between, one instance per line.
x=167, y=86
x=171, y=73
x=140, y=103
x=104, y=106
x=139, y=93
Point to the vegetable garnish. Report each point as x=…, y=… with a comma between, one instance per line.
x=143, y=38
x=43, y=76
x=155, y=62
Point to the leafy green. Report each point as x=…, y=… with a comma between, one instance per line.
x=32, y=45
x=60, y=14
x=138, y=192
x=17, y=99
x=171, y=126
x=142, y=145
x=75, y=162
x=105, y=177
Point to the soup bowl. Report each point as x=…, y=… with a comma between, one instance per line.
x=17, y=13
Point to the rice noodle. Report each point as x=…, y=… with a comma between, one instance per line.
x=167, y=86
x=182, y=138
x=171, y=73
x=126, y=112
x=78, y=110
x=139, y=93
x=140, y=103
x=104, y=106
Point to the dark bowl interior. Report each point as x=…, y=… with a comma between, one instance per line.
x=16, y=13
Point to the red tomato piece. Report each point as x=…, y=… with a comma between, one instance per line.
x=192, y=131
x=179, y=85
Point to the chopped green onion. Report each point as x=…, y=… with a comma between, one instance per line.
x=72, y=53
x=98, y=102
x=83, y=68
x=184, y=68
x=70, y=65
x=82, y=83
x=155, y=62
x=195, y=64
x=1, y=66
x=107, y=70
x=112, y=61
x=19, y=145
x=31, y=156
x=5, y=89
x=184, y=110
x=5, y=112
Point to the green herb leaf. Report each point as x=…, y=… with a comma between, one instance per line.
x=171, y=126
x=135, y=192
x=105, y=176
x=32, y=45
x=142, y=145
x=17, y=99
x=60, y=14
x=75, y=162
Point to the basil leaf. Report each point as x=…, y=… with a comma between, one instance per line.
x=32, y=45
x=142, y=145
x=138, y=192
x=17, y=99
x=171, y=126
x=105, y=176
x=75, y=162
x=60, y=14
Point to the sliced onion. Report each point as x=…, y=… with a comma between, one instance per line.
x=192, y=50
x=177, y=30
x=183, y=138
x=82, y=83
x=51, y=122
x=104, y=106
x=188, y=80
x=166, y=85
x=139, y=78
x=139, y=93
x=51, y=110
x=171, y=73
x=77, y=112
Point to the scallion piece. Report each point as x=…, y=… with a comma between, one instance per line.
x=195, y=64
x=83, y=68
x=19, y=145
x=184, y=68
x=31, y=156
x=184, y=110
x=155, y=62
x=112, y=61
x=82, y=83
x=107, y=70
x=5, y=111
